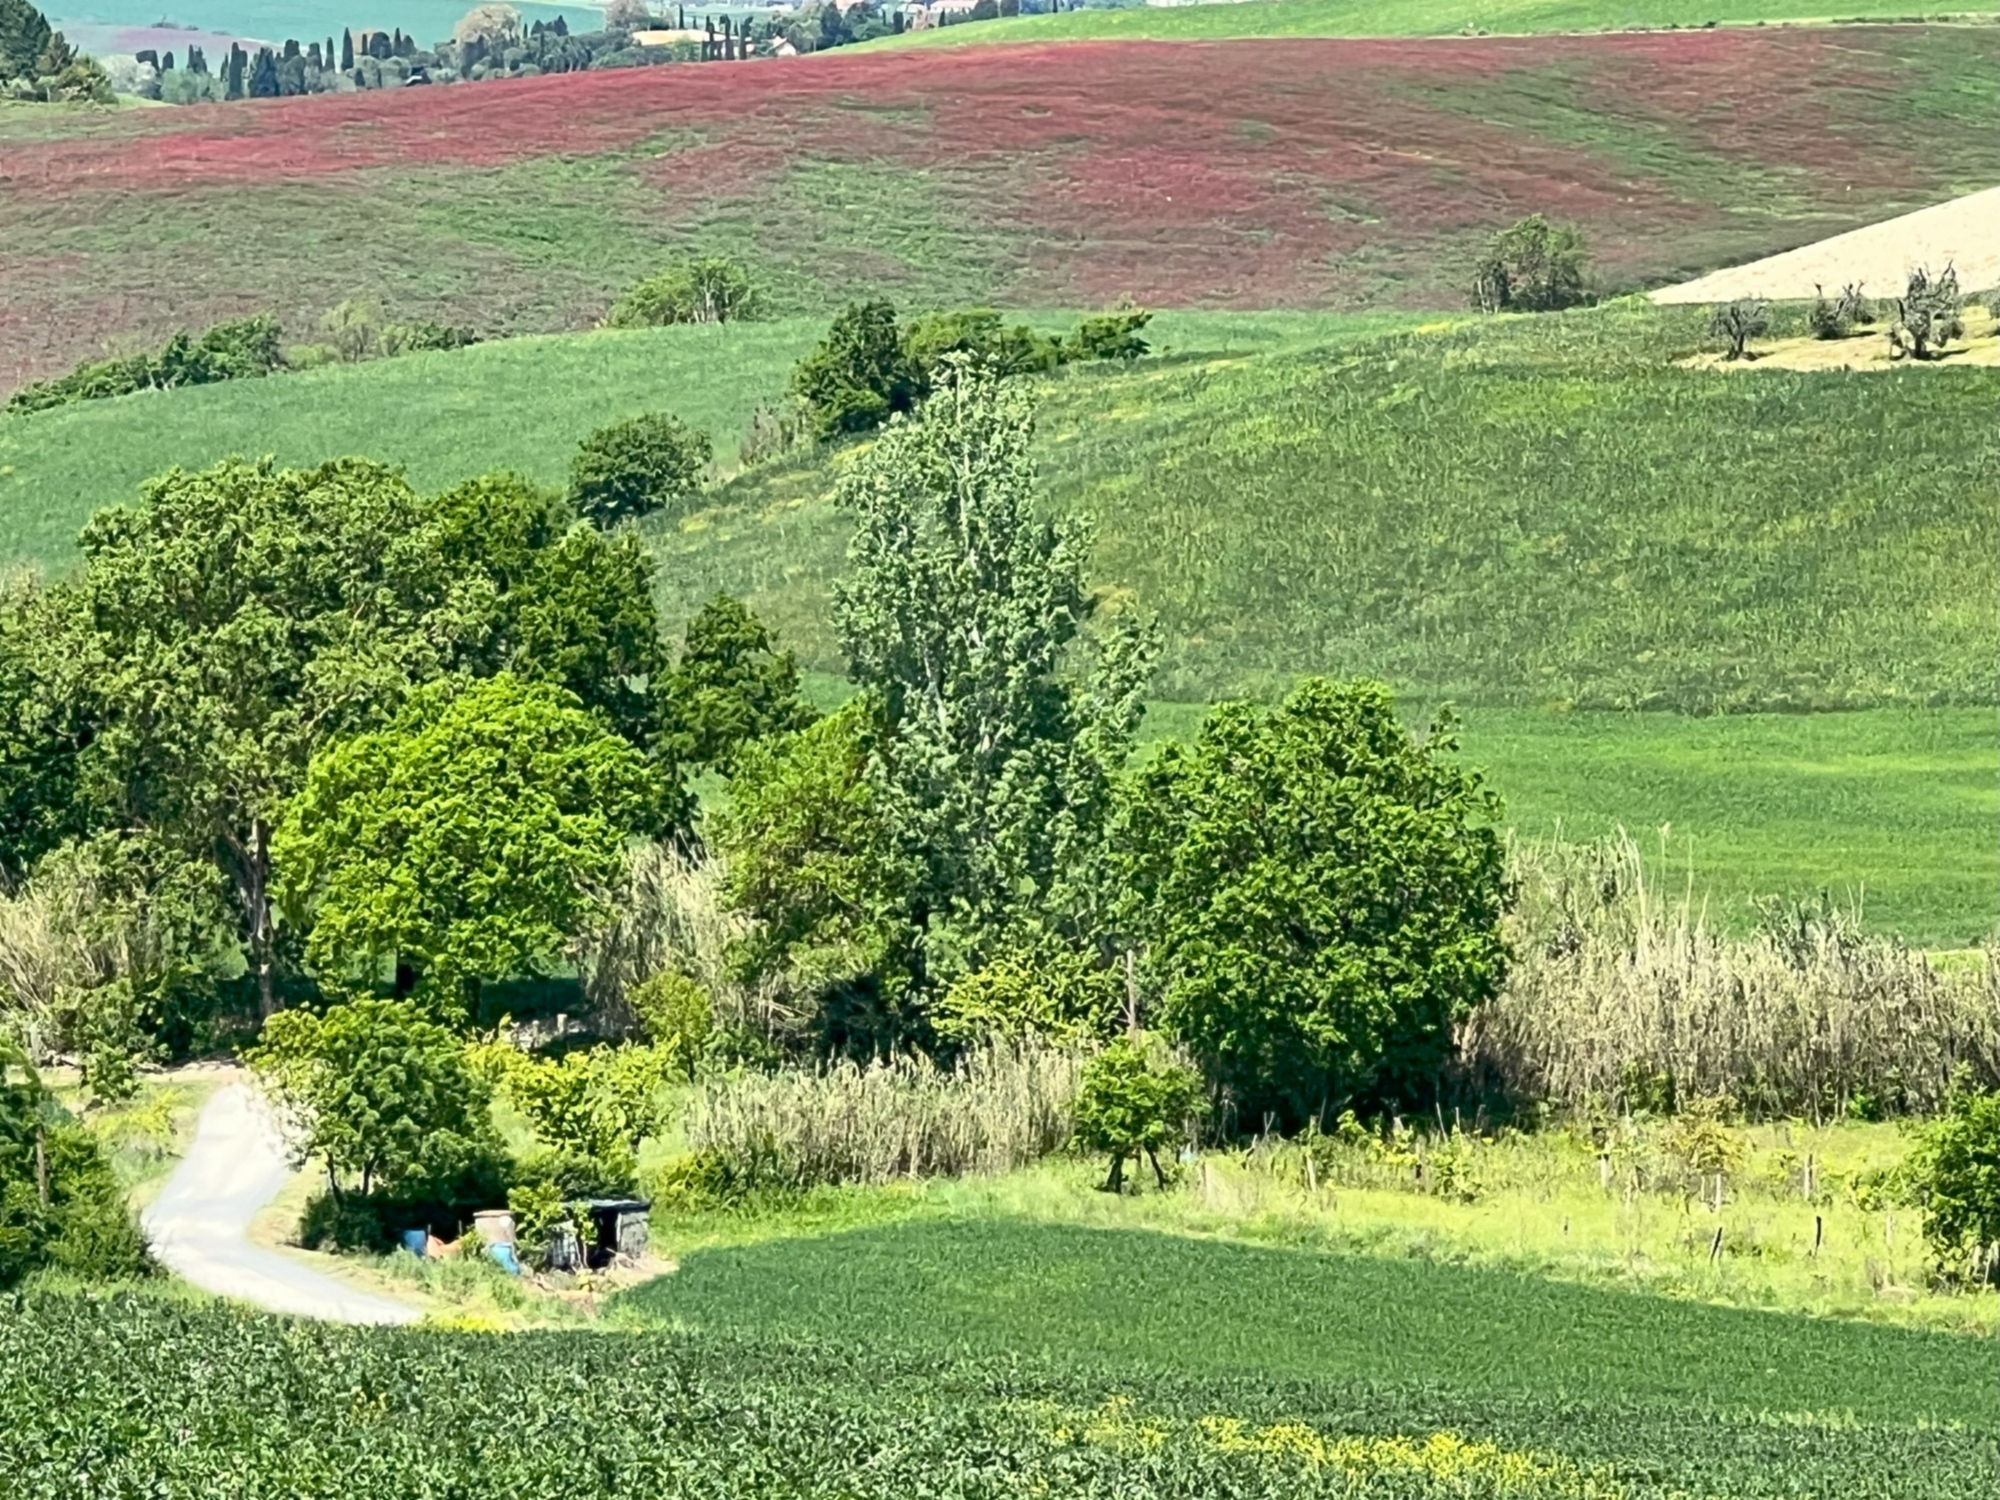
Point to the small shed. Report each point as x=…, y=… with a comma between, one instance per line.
x=619, y=1227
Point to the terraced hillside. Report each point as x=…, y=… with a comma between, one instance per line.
x=1316, y=174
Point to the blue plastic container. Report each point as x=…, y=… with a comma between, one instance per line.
x=503, y=1257
x=414, y=1241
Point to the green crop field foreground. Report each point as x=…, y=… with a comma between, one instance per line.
x=987, y=1359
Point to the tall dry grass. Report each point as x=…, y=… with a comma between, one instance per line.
x=669, y=913
x=53, y=946
x=1626, y=996
x=1005, y=1104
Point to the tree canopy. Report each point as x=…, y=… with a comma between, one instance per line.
x=464, y=843
x=960, y=614
x=1319, y=894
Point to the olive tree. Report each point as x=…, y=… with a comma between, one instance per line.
x=1738, y=322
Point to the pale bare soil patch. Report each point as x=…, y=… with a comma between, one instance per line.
x=1866, y=349
x=1964, y=232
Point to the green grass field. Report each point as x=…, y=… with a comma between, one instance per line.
x=521, y=404
x=1358, y=18
x=1684, y=1392
x=1531, y=512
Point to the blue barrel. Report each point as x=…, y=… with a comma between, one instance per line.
x=413, y=1241
x=503, y=1257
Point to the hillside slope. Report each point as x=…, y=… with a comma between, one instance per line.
x=1526, y=511
x=1337, y=174
x=1371, y=18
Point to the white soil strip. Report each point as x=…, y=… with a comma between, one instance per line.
x=1964, y=232
x=199, y=1225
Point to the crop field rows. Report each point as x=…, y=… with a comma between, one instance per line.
x=1317, y=173
x=989, y=1359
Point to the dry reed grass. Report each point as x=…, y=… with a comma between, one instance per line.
x=1624, y=997
x=1005, y=1104
x=51, y=948
x=669, y=914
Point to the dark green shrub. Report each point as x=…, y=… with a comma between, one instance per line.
x=1111, y=335
x=860, y=375
x=61, y=1206
x=242, y=350
x=1012, y=349
x=1954, y=1176
x=1535, y=266
x=636, y=467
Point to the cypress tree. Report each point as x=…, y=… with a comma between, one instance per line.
x=232, y=83
x=166, y=62
x=24, y=33
x=346, y=51
x=264, y=75
x=312, y=55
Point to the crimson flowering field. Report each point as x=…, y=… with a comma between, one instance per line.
x=1250, y=174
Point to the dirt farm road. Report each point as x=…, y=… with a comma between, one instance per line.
x=199, y=1225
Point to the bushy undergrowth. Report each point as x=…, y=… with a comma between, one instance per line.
x=241, y=350
x=185, y=1401
x=1623, y=995
x=1001, y=1106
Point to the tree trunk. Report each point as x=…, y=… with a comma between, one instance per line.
x=1116, y=1181
x=1158, y=1175
x=258, y=890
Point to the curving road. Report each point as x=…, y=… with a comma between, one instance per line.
x=199, y=1225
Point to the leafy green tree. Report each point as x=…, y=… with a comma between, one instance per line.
x=1061, y=993
x=554, y=600
x=383, y=1097
x=809, y=857
x=1954, y=1175
x=599, y=1103
x=994, y=772
x=731, y=686
x=464, y=843
x=1134, y=1101
x=1320, y=895
x=859, y=375
x=1534, y=266
x=43, y=735
x=714, y=289
x=61, y=1205
x=24, y=34
x=635, y=467
x=228, y=626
